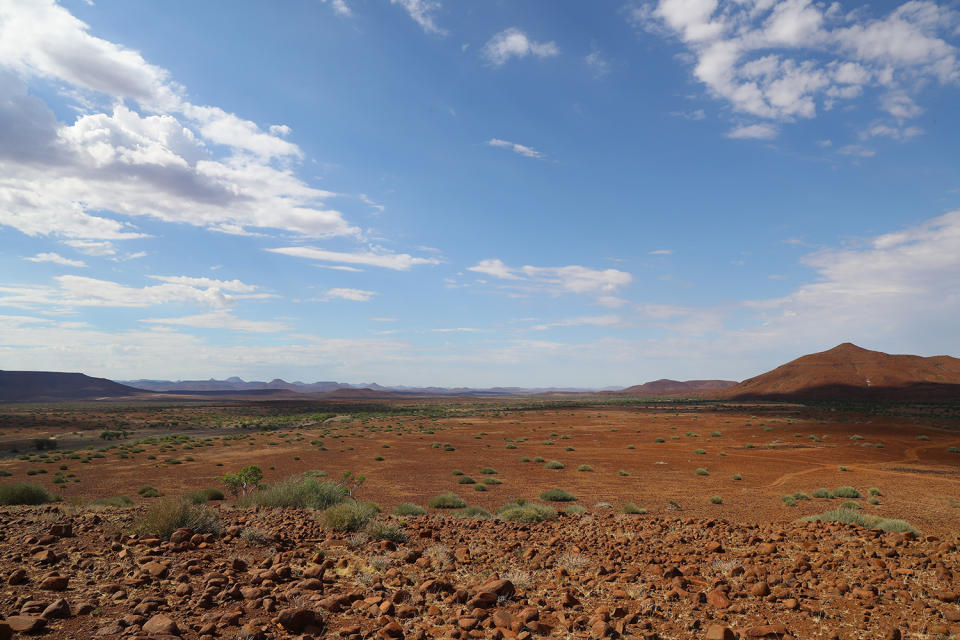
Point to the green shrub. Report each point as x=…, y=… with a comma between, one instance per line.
x=800, y=495
x=527, y=512
x=874, y=501
x=479, y=487
x=700, y=452
x=574, y=510
x=487, y=471
x=632, y=509
x=557, y=495
x=790, y=501
x=874, y=491
x=466, y=480
x=457, y=472
x=408, y=509
x=164, y=517
x=446, y=501
x=349, y=516
x=630, y=446
x=822, y=493
x=4, y=473
x=584, y=467
x=297, y=491
x=510, y=446
x=118, y=502
x=716, y=500
x=383, y=531
x=845, y=492
x=622, y=472
x=864, y=520
x=715, y=434
x=737, y=476
x=524, y=459
x=204, y=495
x=953, y=450
x=702, y=472
x=850, y=504
x=554, y=464
x=490, y=480
x=923, y=438
x=472, y=512
x=659, y=440
x=25, y=493
x=539, y=459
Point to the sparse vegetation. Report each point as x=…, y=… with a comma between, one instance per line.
x=716, y=500
x=632, y=509
x=408, y=509
x=851, y=516
x=446, y=501
x=526, y=512
x=557, y=495
x=702, y=472
x=165, y=516
x=25, y=493
x=554, y=464
x=349, y=515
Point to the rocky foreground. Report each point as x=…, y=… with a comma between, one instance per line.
x=277, y=573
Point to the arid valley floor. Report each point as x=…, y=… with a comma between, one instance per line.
x=689, y=523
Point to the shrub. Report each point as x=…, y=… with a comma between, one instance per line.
x=843, y=468
x=855, y=517
x=349, y=516
x=622, y=472
x=383, y=531
x=874, y=491
x=479, y=487
x=457, y=472
x=700, y=452
x=845, y=492
x=574, y=510
x=408, y=509
x=446, y=501
x=492, y=480
x=633, y=509
x=716, y=500
x=487, y=471
x=204, y=495
x=466, y=480
x=630, y=446
x=166, y=516
x=874, y=501
x=923, y=438
x=584, y=467
x=953, y=450
x=557, y=495
x=800, y=495
x=715, y=434
x=850, y=504
x=702, y=472
x=25, y=493
x=524, y=459
x=539, y=459
x=659, y=440
x=119, y=502
x=527, y=512
x=510, y=446
x=822, y=493
x=4, y=473
x=790, y=501
x=737, y=476
x=472, y=512
x=298, y=491
x=554, y=464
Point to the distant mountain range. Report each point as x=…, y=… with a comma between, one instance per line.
x=238, y=384
x=849, y=372
x=676, y=387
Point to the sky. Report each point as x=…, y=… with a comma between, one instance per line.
x=429, y=192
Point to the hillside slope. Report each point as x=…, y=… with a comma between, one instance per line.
x=666, y=387
x=38, y=386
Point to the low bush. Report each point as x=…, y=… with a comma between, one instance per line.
x=632, y=509
x=297, y=491
x=737, y=476
x=716, y=500
x=526, y=512
x=874, y=491
x=574, y=510
x=554, y=464
x=856, y=517
x=702, y=472
x=923, y=438
x=479, y=487
x=822, y=493
x=487, y=471
x=622, y=472
x=408, y=509
x=466, y=480
x=659, y=440
x=457, y=472
x=850, y=504
x=446, y=501
x=845, y=492
x=700, y=452
x=164, y=517
x=349, y=516
x=584, y=467
x=383, y=531
x=25, y=493
x=472, y=511
x=119, y=502
x=557, y=495
x=204, y=495
x=790, y=501
x=953, y=450
x=492, y=480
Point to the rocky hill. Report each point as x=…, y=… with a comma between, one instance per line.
x=687, y=388
x=849, y=372
x=42, y=386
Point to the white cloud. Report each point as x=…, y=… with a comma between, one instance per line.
x=597, y=63
x=421, y=11
x=766, y=58
x=458, y=330
x=171, y=160
x=56, y=258
x=519, y=149
x=220, y=320
x=856, y=150
x=93, y=247
x=375, y=258
x=754, y=132
x=568, y=279
x=514, y=43
x=582, y=321
x=661, y=252
x=356, y=295
x=340, y=7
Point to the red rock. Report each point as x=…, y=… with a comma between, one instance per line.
x=467, y=623
x=58, y=609
x=155, y=569
x=391, y=630
x=502, y=619
x=296, y=620
x=161, y=624
x=718, y=599
x=19, y=576
x=766, y=631
x=55, y=583
x=600, y=629
x=719, y=632
x=760, y=589
x=26, y=624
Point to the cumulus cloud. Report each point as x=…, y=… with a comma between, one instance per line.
x=376, y=258
x=519, y=149
x=781, y=59
x=422, y=13
x=754, y=132
x=56, y=258
x=514, y=43
x=169, y=159
x=356, y=295
x=601, y=284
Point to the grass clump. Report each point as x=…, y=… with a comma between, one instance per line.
x=789, y=501
x=574, y=510
x=25, y=493
x=850, y=504
x=297, y=491
x=557, y=495
x=349, y=516
x=472, y=511
x=923, y=438
x=873, y=491
x=166, y=516
x=822, y=493
x=146, y=491
x=845, y=492
x=584, y=467
x=632, y=509
x=702, y=472
x=659, y=440
x=491, y=480
x=119, y=502
x=446, y=501
x=737, y=476
x=488, y=471
x=716, y=500
x=622, y=472
x=204, y=495
x=466, y=480
x=526, y=512
x=953, y=450
x=700, y=452
x=382, y=531
x=554, y=464
x=409, y=509
x=851, y=516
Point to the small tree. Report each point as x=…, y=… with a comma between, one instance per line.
x=248, y=477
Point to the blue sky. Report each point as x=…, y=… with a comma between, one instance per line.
x=507, y=193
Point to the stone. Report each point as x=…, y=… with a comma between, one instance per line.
x=296, y=620
x=718, y=599
x=161, y=624
x=766, y=631
x=26, y=624
x=57, y=609
x=719, y=632
x=55, y=583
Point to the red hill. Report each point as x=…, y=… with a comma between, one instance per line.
x=676, y=387
x=849, y=372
